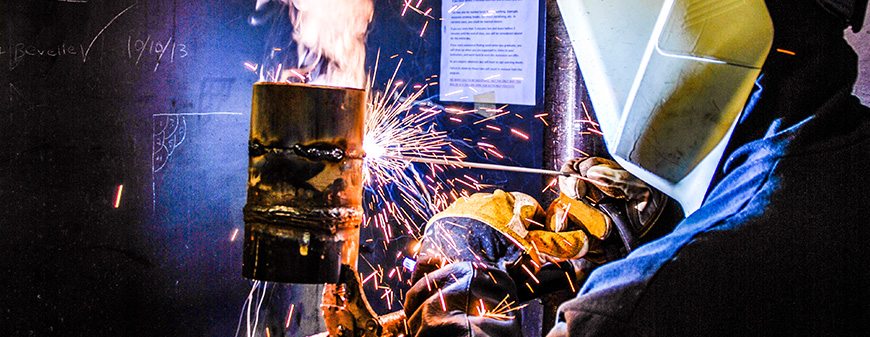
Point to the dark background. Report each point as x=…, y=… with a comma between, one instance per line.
x=172, y=130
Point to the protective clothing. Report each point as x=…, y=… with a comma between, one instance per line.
x=778, y=247
x=644, y=203
x=501, y=228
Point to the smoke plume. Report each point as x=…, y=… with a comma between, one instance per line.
x=330, y=37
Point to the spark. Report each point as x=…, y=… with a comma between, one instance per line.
x=289, y=316
x=423, y=31
x=399, y=124
x=552, y=184
x=407, y=5
x=455, y=8
x=454, y=92
x=251, y=66
x=526, y=269
x=584, y=153
x=441, y=297
x=502, y=310
x=570, y=282
x=234, y=235
x=589, y=121
x=519, y=134
x=298, y=75
x=118, y=195
x=493, y=116
x=482, y=144
x=530, y=287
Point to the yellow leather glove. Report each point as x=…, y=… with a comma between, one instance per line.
x=457, y=233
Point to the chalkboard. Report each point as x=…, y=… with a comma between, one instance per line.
x=123, y=158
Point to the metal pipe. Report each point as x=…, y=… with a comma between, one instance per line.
x=566, y=99
x=304, y=204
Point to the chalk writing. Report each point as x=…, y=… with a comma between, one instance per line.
x=169, y=133
x=156, y=49
x=87, y=51
x=18, y=51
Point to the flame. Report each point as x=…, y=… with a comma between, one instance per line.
x=330, y=37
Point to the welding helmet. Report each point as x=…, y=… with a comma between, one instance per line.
x=667, y=80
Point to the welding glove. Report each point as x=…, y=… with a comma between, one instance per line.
x=463, y=299
x=511, y=232
x=632, y=205
x=487, y=253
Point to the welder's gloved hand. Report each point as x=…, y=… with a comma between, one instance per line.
x=463, y=299
x=499, y=229
x=608, y=181
x=512, y=233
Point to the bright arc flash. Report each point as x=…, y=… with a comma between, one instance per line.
x=373, y=150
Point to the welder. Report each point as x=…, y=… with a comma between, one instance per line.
x=776, y=247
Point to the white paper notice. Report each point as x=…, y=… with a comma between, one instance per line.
x=489, y=51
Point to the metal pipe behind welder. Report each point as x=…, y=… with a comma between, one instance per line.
x=304, y=204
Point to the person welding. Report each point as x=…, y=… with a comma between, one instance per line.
x=775, y=246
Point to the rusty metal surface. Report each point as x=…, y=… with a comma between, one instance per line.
x=304, y=199
x=348, y=314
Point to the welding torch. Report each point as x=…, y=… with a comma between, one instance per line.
x=485, y=166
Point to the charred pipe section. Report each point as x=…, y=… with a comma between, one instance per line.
x=304, y=204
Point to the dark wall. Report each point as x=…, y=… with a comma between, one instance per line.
x=151, y=95
x=154, y=96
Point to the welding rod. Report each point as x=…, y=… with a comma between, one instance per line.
x=488, y=166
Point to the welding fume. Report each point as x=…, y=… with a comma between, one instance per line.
x=724, y=122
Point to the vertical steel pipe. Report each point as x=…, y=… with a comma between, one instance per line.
x=566, y=100
x=569, y=109
x=304, y=204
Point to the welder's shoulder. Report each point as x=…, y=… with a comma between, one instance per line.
x=606, y=303
x=789, y=258
x=767, y=247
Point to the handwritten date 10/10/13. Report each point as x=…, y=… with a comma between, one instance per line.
x=159, y=50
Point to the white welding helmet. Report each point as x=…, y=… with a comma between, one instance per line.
x=668, y=79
